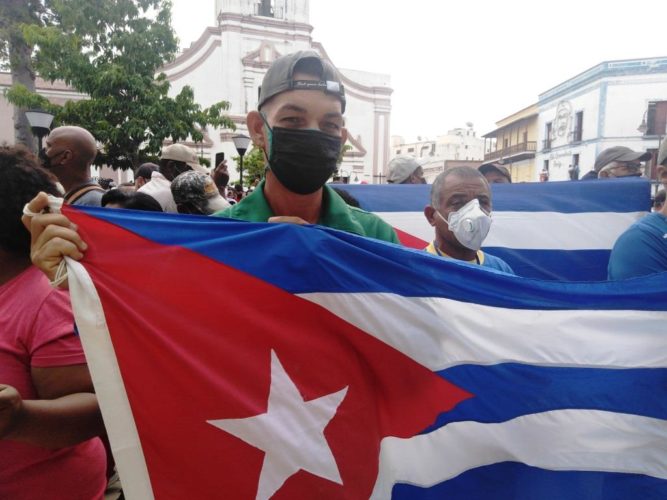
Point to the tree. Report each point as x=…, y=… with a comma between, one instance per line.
x=15, y=52
x=253, y=165
x=112, y=51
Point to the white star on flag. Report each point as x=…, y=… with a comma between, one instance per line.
x=291, y=433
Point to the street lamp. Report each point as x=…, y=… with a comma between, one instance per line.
x=643, y=127
x=241, y=143
x=40, y=124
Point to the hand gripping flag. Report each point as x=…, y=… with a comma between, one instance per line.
x=247, y=360
x=546, y=230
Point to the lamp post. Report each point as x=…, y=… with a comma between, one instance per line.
x=241, y=143
x=40, y=124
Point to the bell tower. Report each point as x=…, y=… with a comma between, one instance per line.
x=294, y=11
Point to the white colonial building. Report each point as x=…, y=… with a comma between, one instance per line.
x=230, y=59
x=616, y=103
x=228, y=62
x=459, y=146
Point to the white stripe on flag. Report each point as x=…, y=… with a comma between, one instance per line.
x=440, y=333
x=584, y=440
x=535, y=230
x=105, y=372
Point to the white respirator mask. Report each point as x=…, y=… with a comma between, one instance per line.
x=470, y=224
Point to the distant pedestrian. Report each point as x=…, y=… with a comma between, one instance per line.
x=132, y=200
x=618, y=161
x=174, y=160
x=144, y=173
x=196, y=193
x=405, y=170
x=495, y=173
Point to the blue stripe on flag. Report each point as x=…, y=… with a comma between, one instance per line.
x=514, y=481
x=303, y=259
x=571, y=265
x=549, y=388
x=613, y=195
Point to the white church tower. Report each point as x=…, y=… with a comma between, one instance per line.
x=229, y=60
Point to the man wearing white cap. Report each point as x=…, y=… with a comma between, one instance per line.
x=405, y=170
x=174, y=160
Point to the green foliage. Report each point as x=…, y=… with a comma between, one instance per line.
x=112, y=50
x=20, y=96
x=14, y=15
x=253, y=165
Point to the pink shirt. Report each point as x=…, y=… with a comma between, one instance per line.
x=37, y=329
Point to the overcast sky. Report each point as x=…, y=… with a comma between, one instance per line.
x=452, y=62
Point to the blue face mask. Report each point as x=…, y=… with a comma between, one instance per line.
x=302, y=159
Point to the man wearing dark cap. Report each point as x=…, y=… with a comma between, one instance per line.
x=405, y=170
x=300, y=128
x=642, y=249
x=144, y=173
x=196, y=193
x=495, y=173
x=618, y=161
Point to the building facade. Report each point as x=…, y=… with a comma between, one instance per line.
x=616, y=103
x=228, y=63
x=514, y=143
x=460, y=146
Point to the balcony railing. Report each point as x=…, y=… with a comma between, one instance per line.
x=546, y=144
x=574, y=136
x=524, y=147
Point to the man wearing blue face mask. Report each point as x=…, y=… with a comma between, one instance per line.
x=300, y=128
x=460, y=212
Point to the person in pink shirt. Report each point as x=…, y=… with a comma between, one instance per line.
x=49, y=417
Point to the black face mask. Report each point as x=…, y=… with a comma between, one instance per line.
x=45, y=160
x=302, y=159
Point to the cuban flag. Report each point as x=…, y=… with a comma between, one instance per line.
x=546, y=230
x=248, y=360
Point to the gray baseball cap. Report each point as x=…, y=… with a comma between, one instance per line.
x=402, y=167
x=662, y=153
x=501, y=169
x=279, y=77
x=619, y=153
x=200, y=190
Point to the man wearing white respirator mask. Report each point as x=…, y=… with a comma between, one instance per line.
x=460, y=212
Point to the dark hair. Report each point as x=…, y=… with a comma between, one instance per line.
x=131, y=200
x=22, y=178
x=146, y=170
x=659, y=199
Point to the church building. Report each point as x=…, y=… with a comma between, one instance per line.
x=228, y=62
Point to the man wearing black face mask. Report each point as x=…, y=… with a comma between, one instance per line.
x=69, y=153
x=299, y=125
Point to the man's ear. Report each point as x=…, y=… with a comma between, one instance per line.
x=603, y=174
x=429, y=213
x=256, y=129
x=343, y=136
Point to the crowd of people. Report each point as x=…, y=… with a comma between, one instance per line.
x=50, y=425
